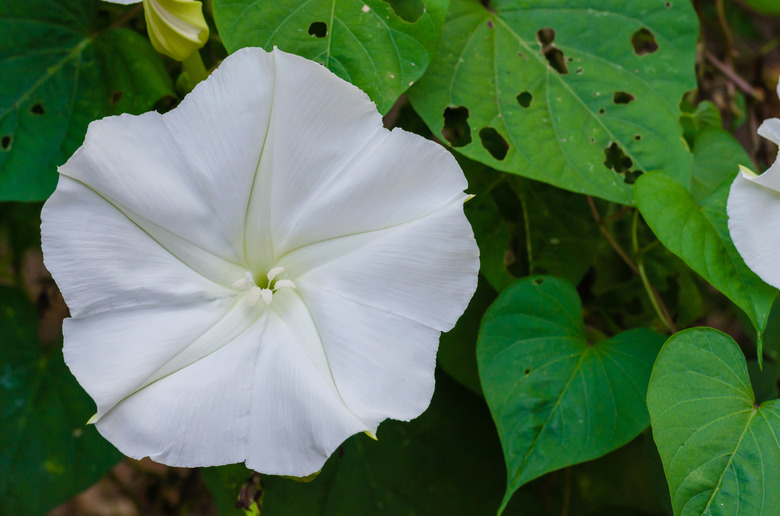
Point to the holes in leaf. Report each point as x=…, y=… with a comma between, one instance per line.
x=579, y=70
x=5, y=142
x=456, y=128
x=602, y=111
x=524, y=99
x=37, y=109
x=116, y=97
x=318, y=29
x=592, y=139
x=552, y=53
x=490, y=24
x=623, y=97
x=668, y=5
x=408, y=10
x=538, y=281
x=637, y=137
x=527, y=372
x=546, y=36
x=643, y=42
x=616, y=159
x=494, y=143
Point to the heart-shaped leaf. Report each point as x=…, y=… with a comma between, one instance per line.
x=530, y=87
x=557, y=397
x=380, y=46
x=59, y=74
x=720, y=451
x=699, y=234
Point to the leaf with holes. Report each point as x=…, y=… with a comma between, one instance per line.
x=59, y=74
x=531, y=87
x=380, y=46
x=556, y=397
x=45, y=441
x=719, y=449
x=698, y=233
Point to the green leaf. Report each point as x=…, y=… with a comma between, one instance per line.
x=444, y=462
x=47, y=447
x=764, y=6
x=720, y=451
x=557, y=397
x=582, y=95
x=367, y=43
x=560, y=231
x=716, y=158
x=699, y=235
x=59, y=74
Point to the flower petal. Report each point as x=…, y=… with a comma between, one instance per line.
x=383, y=363
x=754, y=209
x=261, y=398
x=116, y=354
x=424, y=270
x=103, y=261
x=327, y=145
x=190, y=171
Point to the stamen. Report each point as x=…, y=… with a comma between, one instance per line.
x=274, y=272
x=246, y=282
x=283, y=283
x=267, y=295
x=254, y=295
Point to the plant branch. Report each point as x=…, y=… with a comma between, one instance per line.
x=738, y=81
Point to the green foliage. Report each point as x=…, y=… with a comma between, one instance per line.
x=558, y=394
x=698, y=233
x=719, y=449
x=582, y=96
x=46, y=443
x=381, y=47
x=60, y=72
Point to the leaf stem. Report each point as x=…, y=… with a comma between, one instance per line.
x=652, y=293
x=638, y=267
x=608, y=236
x=195, y=68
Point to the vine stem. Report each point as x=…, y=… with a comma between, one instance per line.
x=652, y=293
x=638, y=267
x=195, y=68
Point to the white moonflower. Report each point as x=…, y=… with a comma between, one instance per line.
x=259, y=273
x=176, y=28
x=754, y=213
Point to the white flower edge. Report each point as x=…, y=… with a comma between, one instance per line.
x=150, y=231
x=753, y=209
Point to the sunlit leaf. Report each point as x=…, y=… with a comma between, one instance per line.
x=583, y=95
x=719, y=449
x=698, y=233
x=381, y=47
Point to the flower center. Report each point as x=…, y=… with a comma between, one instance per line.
x=266, y=293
